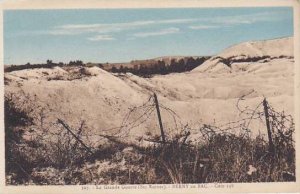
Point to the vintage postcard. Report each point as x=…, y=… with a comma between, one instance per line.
x=149, y=97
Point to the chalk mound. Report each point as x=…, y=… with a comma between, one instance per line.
x=120, y=104
x=254, y=56
x=274, y=48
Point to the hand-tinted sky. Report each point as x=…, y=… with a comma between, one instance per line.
x=120, y=35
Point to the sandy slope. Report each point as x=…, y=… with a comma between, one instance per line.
x=275, y=47
x=208, y=94
x=275, y=51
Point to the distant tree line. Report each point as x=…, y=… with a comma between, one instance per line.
x=160, y=67
x=48, y=64
x=140, y=69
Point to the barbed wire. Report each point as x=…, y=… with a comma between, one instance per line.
x=138, y=115
x=281, y=124
x=141, y=114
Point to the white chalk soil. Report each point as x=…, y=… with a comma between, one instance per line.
x=206, y=95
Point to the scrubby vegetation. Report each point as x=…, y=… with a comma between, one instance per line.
x=48, y=64
x=247, y=59
x=144, y=68
x=56, y=153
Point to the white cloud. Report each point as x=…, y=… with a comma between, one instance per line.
x=248, y=18
x=63, y=32
x=202, y=27
x=192, y=23
x=73, y=29
x=101, y=38
x=157, y=33
x=177, y=21
x=218, y=22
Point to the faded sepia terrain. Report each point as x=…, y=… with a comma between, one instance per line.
x=226, y=117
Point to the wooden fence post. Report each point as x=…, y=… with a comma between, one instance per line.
x=271, y=144
x=159, y=119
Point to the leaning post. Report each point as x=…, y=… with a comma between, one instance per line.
x=271, y=144
x=159, y=118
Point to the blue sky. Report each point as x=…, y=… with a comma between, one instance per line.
x=120, y=35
